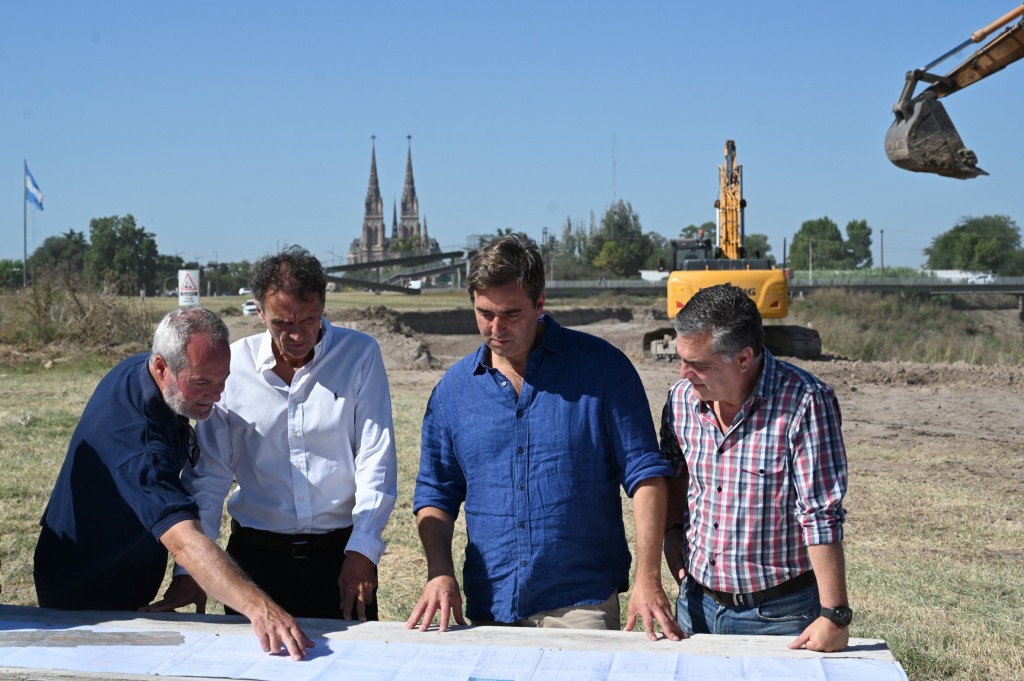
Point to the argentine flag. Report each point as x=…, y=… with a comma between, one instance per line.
x=33, y=193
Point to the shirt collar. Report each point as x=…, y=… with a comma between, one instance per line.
x=765, y=387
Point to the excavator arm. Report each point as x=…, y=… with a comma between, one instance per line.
x=923, y=138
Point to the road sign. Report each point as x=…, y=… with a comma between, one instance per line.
x=188, y=288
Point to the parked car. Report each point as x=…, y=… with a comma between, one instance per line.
x=249, y=307
x=244, y=292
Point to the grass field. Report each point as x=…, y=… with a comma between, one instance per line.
x=923, y=573
x=935, y=559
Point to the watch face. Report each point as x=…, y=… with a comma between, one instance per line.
x=842, y=615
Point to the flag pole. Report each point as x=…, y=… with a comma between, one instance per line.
x=24, y=226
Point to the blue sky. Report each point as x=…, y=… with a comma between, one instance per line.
x=229, y=129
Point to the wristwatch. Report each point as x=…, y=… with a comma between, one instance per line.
x=841, y=615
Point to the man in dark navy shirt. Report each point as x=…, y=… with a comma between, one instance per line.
x=118, y=505
x=536, y=433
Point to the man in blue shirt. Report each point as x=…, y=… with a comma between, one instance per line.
x=534, y=433
x=118, y=505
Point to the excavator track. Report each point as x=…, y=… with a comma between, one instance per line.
x=782, y=340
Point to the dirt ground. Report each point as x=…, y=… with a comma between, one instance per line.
x=892, y=405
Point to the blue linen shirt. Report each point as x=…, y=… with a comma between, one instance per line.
x=118, y=491
x=539, y=473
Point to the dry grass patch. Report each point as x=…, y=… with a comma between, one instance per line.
x=934, y=537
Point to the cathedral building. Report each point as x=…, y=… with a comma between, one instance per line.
x=408, y=235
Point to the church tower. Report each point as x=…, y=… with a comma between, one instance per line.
x=409, y=226
x=407, y=234
x=374, y=238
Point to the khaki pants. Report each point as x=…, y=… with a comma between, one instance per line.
x=603, y=616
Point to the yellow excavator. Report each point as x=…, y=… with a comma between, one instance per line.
x=923, y=138
x=696, y=264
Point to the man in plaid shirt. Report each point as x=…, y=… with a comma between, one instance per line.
x=755, y=516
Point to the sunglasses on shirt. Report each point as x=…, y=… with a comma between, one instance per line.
x=188, y=436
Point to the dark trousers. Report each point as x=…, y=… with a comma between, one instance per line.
x=300, y=572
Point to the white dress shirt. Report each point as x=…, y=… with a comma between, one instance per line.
x=310, y=457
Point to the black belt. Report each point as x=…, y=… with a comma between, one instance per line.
x=299, y=545
x=788, y=587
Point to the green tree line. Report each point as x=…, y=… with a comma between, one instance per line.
x=120, y=256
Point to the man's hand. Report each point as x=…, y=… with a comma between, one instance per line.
x=220, y=577
x=649, y=603
x=823, y=636
x=275, y=629
x=440, y=595
x=675, y=550
x=182, y=591
x=356, y=584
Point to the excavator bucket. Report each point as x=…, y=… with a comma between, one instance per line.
x=927, y=142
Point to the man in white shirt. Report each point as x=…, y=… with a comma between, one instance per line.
x=304, y=426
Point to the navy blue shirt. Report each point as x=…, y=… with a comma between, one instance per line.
x=540, y=473
x=118, y=491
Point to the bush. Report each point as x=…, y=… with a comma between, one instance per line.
x=54, y=314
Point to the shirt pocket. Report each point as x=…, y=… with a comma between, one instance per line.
x=765, y=478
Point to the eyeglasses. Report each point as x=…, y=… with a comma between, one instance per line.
x=188, y=436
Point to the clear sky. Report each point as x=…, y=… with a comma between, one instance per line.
x=231, y=128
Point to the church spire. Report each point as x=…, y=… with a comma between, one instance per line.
x=374, y=204
x=373, y=219
x=410, y=225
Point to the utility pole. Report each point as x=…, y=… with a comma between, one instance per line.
x=810, y=261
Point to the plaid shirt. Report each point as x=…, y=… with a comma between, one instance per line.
x=764, y=490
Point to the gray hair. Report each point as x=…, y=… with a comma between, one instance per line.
x=512, y=259
x=178, y=327
x=729, y=314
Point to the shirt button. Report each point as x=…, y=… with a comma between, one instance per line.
x=519, y=450
x=719, y=488
x=712, y=562
x=715, y=526
x=504, y=383
x=522, y=487
x=519, y=414
x=522, y=525
x=522, y=563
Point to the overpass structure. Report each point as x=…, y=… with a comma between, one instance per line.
x=455, y=264
x=410, y=267
x=799, y=287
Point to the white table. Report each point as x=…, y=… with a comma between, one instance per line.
x=45, y=634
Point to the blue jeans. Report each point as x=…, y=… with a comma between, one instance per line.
x=698, y=613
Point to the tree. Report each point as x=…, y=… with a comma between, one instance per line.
x=167, y=267
x=62, y=257
x=858, y=244
x=693, y=231
x=621, y=226
x=565, y=255
x=10, y=274
x=821, y=241
x=123, y=257
x=991, y=243
x=758, y=246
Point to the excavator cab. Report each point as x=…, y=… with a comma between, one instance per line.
x=926, y=141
